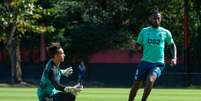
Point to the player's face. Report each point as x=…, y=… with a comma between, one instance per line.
x=155, y=19
x=60, y=55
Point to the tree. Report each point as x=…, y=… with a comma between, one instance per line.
x=194, y=30
x=79, y=18
x=18, y=19
x=78, y=22
x=89, y=38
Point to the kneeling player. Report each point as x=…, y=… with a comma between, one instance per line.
x=50, y=88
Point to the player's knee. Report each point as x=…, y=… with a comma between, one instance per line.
x=152, y=79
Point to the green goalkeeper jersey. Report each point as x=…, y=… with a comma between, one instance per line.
x=46, y=87
x=153, y=42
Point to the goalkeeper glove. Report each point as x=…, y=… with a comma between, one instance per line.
x=79, y=85
x=67, y=72
x=72, y=90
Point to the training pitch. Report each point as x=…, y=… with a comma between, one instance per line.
x=105, y=94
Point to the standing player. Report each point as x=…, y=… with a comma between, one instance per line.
x=79, y=70
x=81, y=74
x=50, y=88
x=152, y=40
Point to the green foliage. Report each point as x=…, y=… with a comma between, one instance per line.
x=81, y=18
x=113, y=12
x=76, y=32
x=195, y=29
x=66, y=13
x=22, y=14
x=89, y=38
x=75, y=21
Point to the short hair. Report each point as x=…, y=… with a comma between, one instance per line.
x=53, y=49
x=154, y=11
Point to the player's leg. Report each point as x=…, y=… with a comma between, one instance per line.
x=82, y=72
x=139, y=77
x=45, y=98
x=148, y=86
x=42, y=96
x=153, y=75
x=61, y=96
x=136, y=85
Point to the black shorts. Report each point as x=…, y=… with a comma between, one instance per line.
x=61, y=96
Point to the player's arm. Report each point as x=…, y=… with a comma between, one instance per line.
x=61, y=87
x=139, y=42
x=55, y=82
x=173, y=52
x=173, y=48
x=138, y=47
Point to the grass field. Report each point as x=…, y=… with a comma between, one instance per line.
x=105, y=94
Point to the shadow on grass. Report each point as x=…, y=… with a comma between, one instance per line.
x=21, y=84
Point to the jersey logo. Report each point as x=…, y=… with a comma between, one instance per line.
x=153, y=41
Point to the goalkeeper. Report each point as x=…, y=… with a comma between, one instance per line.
x=50, y=88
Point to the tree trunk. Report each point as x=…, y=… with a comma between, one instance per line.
x=42, y=48
x=13, y=47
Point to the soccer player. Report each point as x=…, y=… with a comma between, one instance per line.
x=80, y=70
x=152, y=40
x=81, y=74
x=50, y=88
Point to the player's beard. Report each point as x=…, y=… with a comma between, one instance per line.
x=155, y=25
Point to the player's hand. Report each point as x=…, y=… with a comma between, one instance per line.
x=173, y=62
x=68, y=71
x=72, y=90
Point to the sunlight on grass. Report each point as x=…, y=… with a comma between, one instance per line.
x=105, y=94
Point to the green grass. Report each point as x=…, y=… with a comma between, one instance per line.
x=105, y=94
